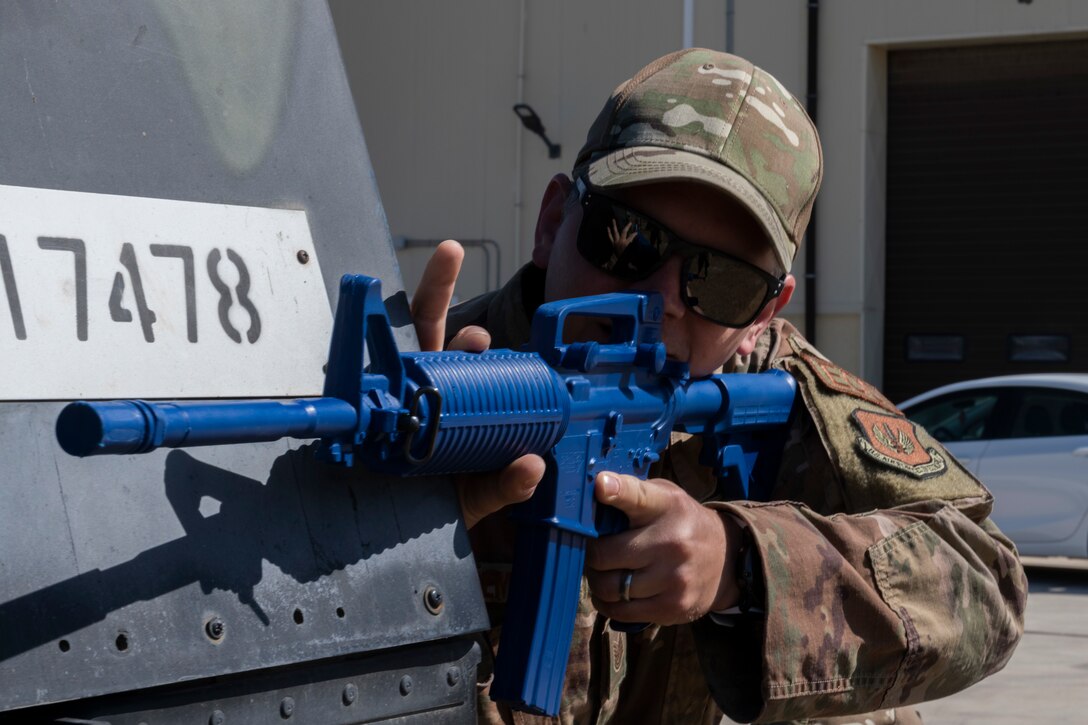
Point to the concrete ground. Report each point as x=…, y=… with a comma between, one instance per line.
x=1047, y=678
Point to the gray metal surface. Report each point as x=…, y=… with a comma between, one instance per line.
x=226, y=102
x=431, y=683
x=124, y=573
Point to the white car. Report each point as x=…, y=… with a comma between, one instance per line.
x=1026, y=438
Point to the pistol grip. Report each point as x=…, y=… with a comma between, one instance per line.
x=611, y=520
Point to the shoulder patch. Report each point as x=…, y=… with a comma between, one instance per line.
x=837, y=380
x=893, y=441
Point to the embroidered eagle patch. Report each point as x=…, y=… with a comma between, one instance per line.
x=893, y=441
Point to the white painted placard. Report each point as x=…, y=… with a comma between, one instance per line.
x=105, y=296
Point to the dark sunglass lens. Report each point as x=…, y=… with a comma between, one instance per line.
x=722, y=289
x=593, y=243
x=620, y=242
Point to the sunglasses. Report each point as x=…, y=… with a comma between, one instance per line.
x=631, y=246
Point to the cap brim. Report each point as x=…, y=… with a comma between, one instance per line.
x=650, y=164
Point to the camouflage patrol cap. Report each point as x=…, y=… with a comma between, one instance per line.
x=711, y=117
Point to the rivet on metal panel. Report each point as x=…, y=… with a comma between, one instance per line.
x=303, y=256
x=287, y=707
x=217, y=718
x=215, y=628
x=453, y=676
x=406, y=685
x=350, y=693
x=432, y=599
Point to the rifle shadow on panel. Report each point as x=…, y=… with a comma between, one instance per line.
x=308, y=519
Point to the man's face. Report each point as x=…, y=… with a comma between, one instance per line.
x=700, y=215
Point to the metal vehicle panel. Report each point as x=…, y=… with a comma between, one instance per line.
x=126, y=583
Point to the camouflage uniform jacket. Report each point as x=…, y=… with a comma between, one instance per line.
x=885, y=582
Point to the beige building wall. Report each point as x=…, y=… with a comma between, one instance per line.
x=435, y=81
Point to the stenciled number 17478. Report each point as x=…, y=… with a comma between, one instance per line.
x=129, y=270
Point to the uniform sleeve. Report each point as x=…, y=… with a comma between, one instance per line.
x=885, y=582
x=867, y=612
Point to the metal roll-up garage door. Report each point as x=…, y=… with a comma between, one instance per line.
x=987, y=199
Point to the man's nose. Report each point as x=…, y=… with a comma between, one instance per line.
x=666, y=280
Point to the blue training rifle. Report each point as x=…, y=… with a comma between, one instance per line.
x=585, y=407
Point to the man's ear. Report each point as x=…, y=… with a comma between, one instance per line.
x=550, y=218
x=769, y=313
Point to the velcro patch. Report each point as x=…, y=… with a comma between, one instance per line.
x=893, y=441
x=834, y=378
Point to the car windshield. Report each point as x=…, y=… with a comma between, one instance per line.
x=956, y=417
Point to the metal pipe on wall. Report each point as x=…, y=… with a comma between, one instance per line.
x=810, y=103
x=729, y=10
x=519, y=137
x=689, y=23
